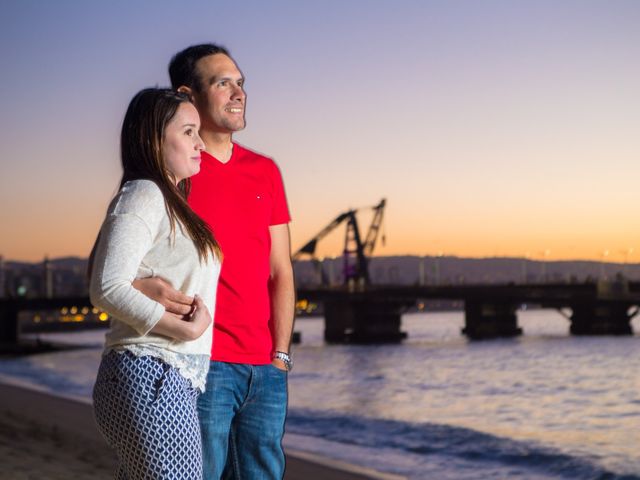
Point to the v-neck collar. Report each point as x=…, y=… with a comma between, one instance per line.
x=234, y=150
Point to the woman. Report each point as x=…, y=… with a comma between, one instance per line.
x=155, y=363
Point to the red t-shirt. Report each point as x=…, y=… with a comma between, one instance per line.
x=239, y=200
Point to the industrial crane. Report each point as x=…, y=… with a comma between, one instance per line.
x=356, y=252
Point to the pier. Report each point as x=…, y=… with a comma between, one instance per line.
x=73, y=318
x=372, y=314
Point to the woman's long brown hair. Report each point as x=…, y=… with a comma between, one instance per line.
x=141, y=143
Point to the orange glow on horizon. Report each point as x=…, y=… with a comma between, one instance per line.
x=454, y=242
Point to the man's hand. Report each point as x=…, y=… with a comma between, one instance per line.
x=279, y=364
x=162, y=292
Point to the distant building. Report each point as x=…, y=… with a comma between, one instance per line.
x=49, y=279
x=3, y=286
x=47, y=273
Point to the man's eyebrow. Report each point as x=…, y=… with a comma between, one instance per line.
x=215, y=79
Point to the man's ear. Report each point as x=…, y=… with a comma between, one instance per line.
x=187, y=90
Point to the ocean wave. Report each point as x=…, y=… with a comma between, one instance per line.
x=460, y=445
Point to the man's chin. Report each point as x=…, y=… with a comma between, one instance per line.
x=233, y=124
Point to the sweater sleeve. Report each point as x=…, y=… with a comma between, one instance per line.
x=126, y=236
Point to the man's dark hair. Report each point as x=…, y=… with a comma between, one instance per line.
x=182, y=68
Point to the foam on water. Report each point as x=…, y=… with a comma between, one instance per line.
x=422, y=450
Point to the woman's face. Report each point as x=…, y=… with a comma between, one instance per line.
x=182, y=144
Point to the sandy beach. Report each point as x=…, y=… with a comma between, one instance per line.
x=29, y=452
x=43, y=436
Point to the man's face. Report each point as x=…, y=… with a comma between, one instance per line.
x=220, y=98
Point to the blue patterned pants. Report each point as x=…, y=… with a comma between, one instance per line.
x=147, y=412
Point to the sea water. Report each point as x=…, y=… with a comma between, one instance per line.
x=545, y=405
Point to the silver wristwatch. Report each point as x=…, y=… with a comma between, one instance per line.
x=286, y=358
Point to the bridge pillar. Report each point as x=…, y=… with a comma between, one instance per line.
x=490, y=319
x=8, y=323
x=601, y=318
x=363, y=321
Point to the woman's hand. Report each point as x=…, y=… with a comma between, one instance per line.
x=185, y=328
x=200, y=318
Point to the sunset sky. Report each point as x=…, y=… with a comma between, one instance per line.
x=492, y=128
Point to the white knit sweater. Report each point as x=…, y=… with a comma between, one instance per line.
x=136, y=242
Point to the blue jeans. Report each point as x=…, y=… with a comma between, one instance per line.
x=242, y=414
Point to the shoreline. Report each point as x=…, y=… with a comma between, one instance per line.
x=43, y=435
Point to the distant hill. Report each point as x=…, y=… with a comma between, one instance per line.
x=62, y=262
x=410, y=269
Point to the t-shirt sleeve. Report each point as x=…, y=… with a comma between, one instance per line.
x=280, y=210
x=125, y=238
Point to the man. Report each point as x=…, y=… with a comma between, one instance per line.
x=241, y=196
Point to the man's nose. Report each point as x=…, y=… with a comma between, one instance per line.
x=238, y=93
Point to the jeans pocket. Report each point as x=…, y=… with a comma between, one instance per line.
x=272, y=367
